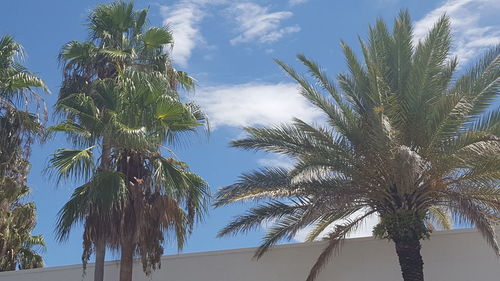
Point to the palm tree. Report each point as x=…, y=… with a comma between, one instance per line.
x=17, y=86
x=163, y=194
x=403, y=138
x=89, y=125
x=19, y=249
x=120, y=93
x=18, y=129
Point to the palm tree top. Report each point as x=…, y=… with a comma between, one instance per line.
x=120, y=93
x=404, y=138
x=19, y=249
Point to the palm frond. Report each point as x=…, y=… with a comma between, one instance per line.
x=441, y=217
x=402, y=50
x=255, y=217
x=157, y=37
x=286, y=227
x=106, y=191
x=467, y=211
x=270, y=182
x=328, y=220
x=78, y=164
x=334, y=239
x=481, y=83
x=402, y=136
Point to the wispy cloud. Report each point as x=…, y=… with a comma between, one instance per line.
x=257, y=24
x=254, y=23
x=183, y=18
x=254, y=104
x=276, y=160
x=296, y=2
x=474, y=24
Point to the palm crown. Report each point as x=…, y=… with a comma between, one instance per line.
x=18, y=129
x=120, y=92
x=17, y=86
x=402, y=138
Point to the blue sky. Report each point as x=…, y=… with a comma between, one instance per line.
x=228, y=47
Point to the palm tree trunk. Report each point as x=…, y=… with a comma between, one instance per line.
x=127, y=258
x=100, y=244
x=105, y=154
x=410, y=259
x=100, y=253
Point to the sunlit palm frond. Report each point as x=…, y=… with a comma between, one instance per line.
x=334, y=240
x=270, y=182
x=156, y=38
x=71, y=163
x=402, y=138
x=259, y=215
x=441, y=217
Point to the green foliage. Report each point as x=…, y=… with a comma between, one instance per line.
x=121, y=94
x=403, y=137
x=74, y=163
x=19, y=249
x=102, y=194
x=404, y=225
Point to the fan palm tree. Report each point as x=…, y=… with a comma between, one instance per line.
x=120, y=93
x=163, y=196
x=152, y=117
x=18, y=129
x=89, y=126
x=403, y=138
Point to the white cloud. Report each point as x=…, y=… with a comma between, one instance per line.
x=474, y=25
x=269, y=51
x=365, y=230
x=254, y=22
x=296, y=2
x=254, y=104
x=257, y=24
x=184, y=19
x=276, y=160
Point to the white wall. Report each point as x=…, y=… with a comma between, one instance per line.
x=459, y=255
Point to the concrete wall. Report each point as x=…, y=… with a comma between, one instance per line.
x=459, y=255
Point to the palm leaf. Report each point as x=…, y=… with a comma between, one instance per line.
x=78, y=164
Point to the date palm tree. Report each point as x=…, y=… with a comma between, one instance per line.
x=18, y=86
x=120, y=93
x=19, y=249
x=403, y=138
x=18, y=129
